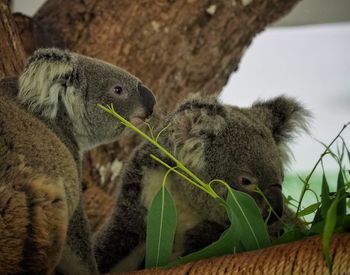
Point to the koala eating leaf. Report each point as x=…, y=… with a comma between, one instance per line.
x=246, y=147
x=48, y=119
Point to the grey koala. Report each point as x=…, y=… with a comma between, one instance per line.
x=48, y=118
x=246, y=147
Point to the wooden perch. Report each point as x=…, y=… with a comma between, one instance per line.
x=301, y=257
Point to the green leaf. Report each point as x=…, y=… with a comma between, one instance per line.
x=290, y=236
x=325, y=199
x=308, y=210
x=341, y=152
x=161, y=227
x=331, y=220
x=347, y=150
x=253, y=229
x=341, y=195
x=345, y=222
x=246, y=232
x=317, y=228
x=228, y=243
x=318, y=217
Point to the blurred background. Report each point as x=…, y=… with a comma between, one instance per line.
x=304, y=55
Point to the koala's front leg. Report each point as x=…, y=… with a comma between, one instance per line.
x=77, y=257
x=123, y=236
x=202, y=235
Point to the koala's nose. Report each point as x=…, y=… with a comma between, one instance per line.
x=274, y=195
x=147, y=99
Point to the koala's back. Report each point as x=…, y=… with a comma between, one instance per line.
x=26, y=142
x=38, y=175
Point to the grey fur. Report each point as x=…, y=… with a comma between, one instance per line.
x=238, y=145
x=47, y=122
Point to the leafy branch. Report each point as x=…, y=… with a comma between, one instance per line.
x=306, y=186
x=194, y=179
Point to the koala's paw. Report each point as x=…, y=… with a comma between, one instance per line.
x=193, y=125
x=33, y=226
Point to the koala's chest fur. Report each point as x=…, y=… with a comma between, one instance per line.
x=187, y=216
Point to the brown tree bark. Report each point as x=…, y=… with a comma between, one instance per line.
x=174, y=46
x=12, y=54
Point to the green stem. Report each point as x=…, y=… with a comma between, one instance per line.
x=302, y=194
x=182, y=175
x=171, y=169
x=128, y=124
x=261, y=193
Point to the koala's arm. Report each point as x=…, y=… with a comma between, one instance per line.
x=126, y=228
x=202, y=235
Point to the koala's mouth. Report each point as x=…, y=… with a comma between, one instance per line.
x=138, y=117
x=137, y=120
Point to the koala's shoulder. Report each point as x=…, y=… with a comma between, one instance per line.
x=27, y=141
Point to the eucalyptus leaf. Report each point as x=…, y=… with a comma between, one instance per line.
x=347, y=150
x=318, y=217
x=290, y=236
x=345, y=221
x=308, y=210
x=325, y=199
x=228, y=243
x=246, y=232
x=161, y=227
x=245, y=210
x=330, y=223
x=341, y=195
x=317, y=228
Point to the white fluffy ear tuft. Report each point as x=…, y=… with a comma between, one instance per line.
x=43, y=79
x=195, y=120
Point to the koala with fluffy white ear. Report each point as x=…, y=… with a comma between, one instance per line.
x=243, y=146
x=48, y=118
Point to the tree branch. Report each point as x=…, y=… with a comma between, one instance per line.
x=11, y=50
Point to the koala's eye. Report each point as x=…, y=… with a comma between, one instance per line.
x=248, y=181
x=117, y=90
x=245, y=181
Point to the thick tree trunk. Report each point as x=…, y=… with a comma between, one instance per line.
x=175, y=46
x=11, y=51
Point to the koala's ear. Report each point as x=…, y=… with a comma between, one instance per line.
x=194, y=123
x=285, y=117
x=47, y=74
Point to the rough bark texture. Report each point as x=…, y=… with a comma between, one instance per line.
x=11, y=51
x=33, y=35
x=174, y=46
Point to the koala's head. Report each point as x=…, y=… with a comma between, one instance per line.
x=246, y=147
x=56, y=82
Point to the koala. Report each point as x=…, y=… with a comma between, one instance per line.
x=48, y=118
x=246, y=147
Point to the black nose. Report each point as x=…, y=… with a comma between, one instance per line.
x=275, y=198
x=147, y=99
